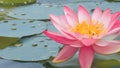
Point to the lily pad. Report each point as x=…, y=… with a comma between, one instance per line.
x=114, y=6
x=32, y=48
x=14, y=64
x=51, y=27
x=6, y=41
x=16, y=2
x=43, y=11
x=20, y=28
x=35, y=11
x=62, y=2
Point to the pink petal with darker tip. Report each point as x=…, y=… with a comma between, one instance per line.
x=66, y=53
x=106, y=18
x=71, y=16
x=86, y=56
x=61, y=39
x=115, y=22
x=57, y=20
x=83, y=15
x=97, y=14
x=61, y=24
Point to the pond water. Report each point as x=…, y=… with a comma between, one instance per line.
x=22, y=44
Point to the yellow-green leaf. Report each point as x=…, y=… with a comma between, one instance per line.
x=16, y=2
x=6, y=41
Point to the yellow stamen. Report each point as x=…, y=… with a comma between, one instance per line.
x=89, y=29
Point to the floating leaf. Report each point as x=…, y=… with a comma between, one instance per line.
x=16, y=2
x=32, y=48
x=34, y=11
x=51, y=27
x=43, y=11
x=20, y=28
x=29, y=48
x=6, y=41
x=114, y=6
x=14, y=64
x=62, y=2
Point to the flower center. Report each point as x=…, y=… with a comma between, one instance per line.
x=89, y=29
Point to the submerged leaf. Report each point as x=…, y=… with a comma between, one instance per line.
x=113, y=0
x=99, y=63
x=6, y=41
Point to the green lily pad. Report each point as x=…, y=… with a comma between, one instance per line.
x=14, y=64
x=42, y=11
x=34, y=11
x=63, y=2
x=20, y=28
x=34, y=48
x=16, y=2
x=51, y=27
x=114, y=6
x=6, y=41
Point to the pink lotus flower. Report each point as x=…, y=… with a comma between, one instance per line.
x=88, y=34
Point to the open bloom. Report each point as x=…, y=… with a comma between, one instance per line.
x=86, y=33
